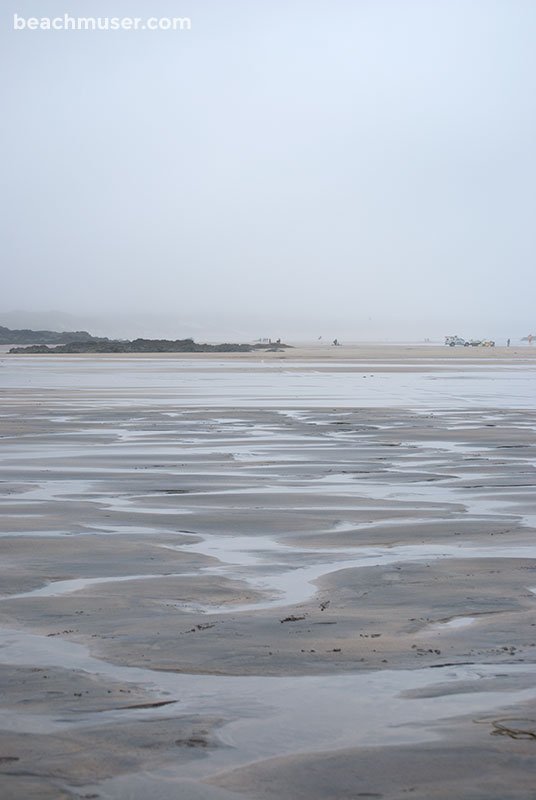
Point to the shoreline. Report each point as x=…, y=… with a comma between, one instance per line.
x=343, y=353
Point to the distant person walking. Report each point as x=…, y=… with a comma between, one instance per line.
x=508, y=342
x=530, y=338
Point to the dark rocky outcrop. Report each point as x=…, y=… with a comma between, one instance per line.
x=144, y=346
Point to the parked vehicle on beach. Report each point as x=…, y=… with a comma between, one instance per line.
x=452, y=341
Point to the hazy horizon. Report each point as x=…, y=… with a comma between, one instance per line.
x=351, y=169
x=218, y=328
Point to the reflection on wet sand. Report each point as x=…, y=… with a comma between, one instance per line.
x=241, y=560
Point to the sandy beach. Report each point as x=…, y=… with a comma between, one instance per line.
x=300, y=574
x=345, y=352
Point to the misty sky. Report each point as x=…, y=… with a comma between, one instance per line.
x=358, y=168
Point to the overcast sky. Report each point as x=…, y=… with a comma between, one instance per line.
x=354, y=168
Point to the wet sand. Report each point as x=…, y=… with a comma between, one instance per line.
x=225, y=580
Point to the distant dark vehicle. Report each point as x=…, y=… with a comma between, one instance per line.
x=473, y=343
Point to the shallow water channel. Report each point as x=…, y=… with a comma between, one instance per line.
x=238, y=466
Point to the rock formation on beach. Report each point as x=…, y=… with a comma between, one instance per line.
x=144, y=346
